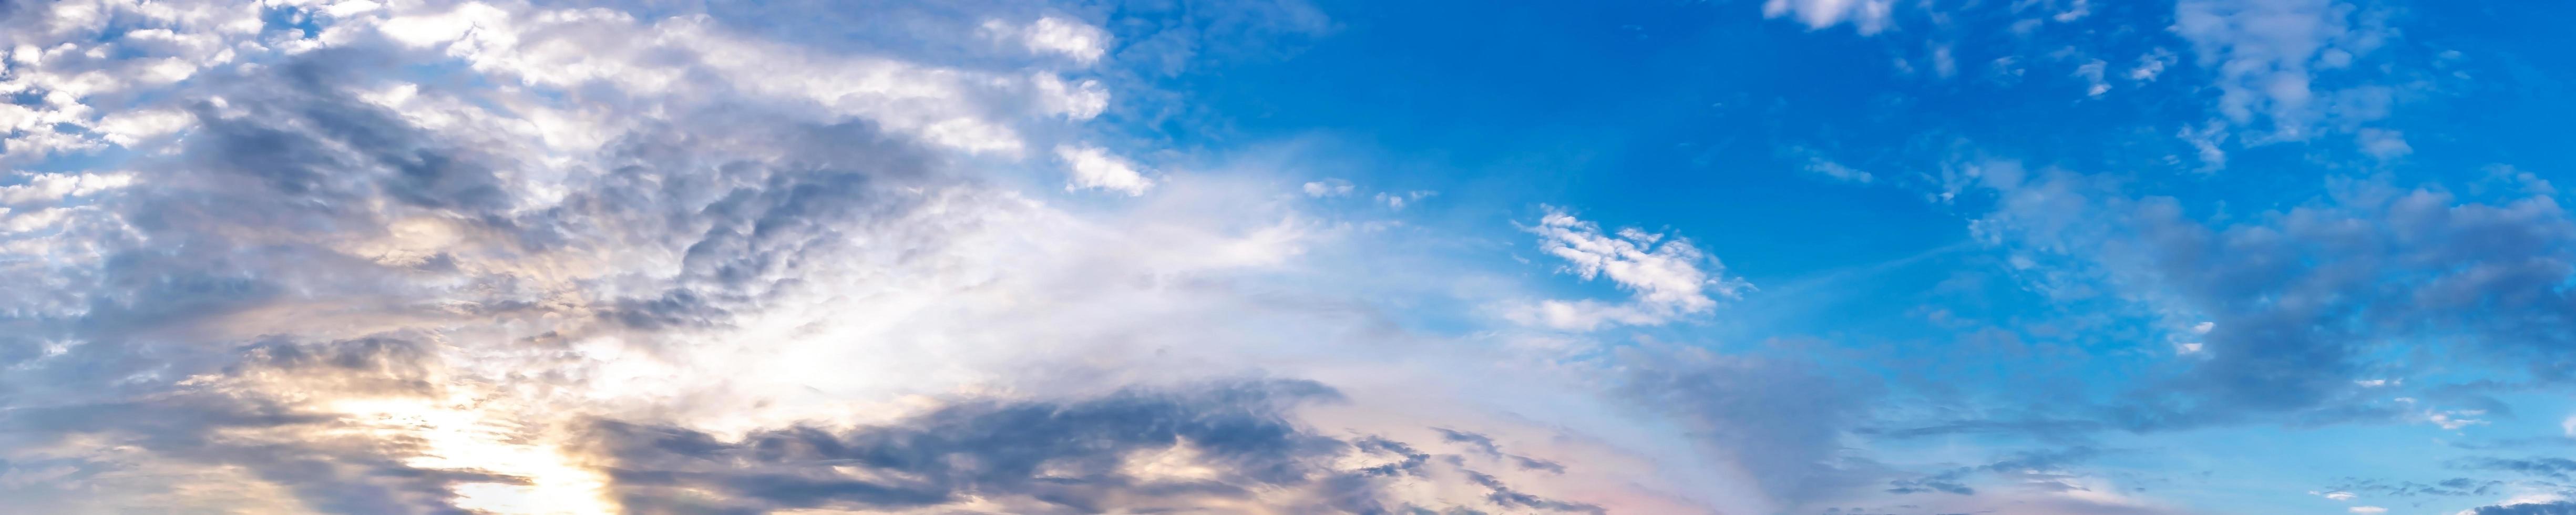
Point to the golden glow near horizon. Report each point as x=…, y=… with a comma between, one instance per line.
x=460, y=433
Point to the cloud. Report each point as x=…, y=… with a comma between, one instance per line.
x=1866, y=16
x=2289, y=328
x=1328, y=188
x=1220, y=445
x=2546, y=467
x=1664, y=276
x=2453, y=487
x=1071, y=38
x=2526, y=508
x=2270, y=61
x=490, y=256
x=1782, y=421
x=1096, y=168
x=1397, y=201
x=2368, y=509
x=1837, y=171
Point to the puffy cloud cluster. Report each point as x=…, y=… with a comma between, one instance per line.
x=2265, y=55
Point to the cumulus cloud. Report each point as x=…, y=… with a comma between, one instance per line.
x=1096, y=168
x=2270, y=61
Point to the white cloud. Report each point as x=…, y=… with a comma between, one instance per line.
x=2383, y=144
x=1837, y=171
x=348, y=8
x=1398, y=201
x=2338, y=495
x=1328, y=188
x=2077, y=11
x=2206, y=142
x=1096, y=168
x=946, y=106
x=2092, y=73
x=2269, y=56
x=49, y=188
x=1663, y=275
x=2568, y=427
x=2369, y=510
x=2451, y=420
x=2151, y=65
x=1052, y=35
x=1082, y=100
x=1866, y=16
x=129, y=127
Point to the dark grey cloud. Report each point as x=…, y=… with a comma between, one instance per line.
x=1509, y=498
x=326, y=462
x=1485, y=445
x=1481, y=443
x=1035, y=456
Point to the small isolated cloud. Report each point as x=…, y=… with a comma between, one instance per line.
x=1397, y=201
x=1095, y=168
x=2369, y=510
x=1866, y=16
x=2093, y=72
x=1666, y=277
x=1328, y=188
x=1837, y=171
x=1813, y=161
x=2338, y=495
x=2383, y=144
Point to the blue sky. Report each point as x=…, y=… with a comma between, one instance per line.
x=1287, y=256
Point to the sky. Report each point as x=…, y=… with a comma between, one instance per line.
x=1741, y=257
